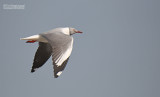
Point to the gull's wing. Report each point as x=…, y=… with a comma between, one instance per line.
x=43, y=53
x=61, y=50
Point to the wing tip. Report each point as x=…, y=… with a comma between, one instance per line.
x=32, y=70
x=56, y=75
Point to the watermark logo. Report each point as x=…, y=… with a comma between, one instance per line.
x=11, y=6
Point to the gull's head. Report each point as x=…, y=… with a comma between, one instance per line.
x=73, y=31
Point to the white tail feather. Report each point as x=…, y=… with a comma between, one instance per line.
x=36, y=38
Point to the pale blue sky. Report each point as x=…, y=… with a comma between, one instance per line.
x=116, y=56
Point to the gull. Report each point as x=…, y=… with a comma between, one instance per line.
x=58, y=43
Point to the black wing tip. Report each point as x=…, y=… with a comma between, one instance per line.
x=55, y=75
x=32, y=70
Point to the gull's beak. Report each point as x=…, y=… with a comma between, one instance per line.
x=79, y=32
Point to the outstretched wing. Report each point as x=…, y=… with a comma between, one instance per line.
x=43, y=53
x=61, y=50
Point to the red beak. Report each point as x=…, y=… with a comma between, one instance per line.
x=79, y=32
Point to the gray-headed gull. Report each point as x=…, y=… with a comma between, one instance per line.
x=58, y=43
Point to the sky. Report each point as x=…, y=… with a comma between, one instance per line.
x=118, y=54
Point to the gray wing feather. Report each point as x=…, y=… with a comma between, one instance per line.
x=59, y=43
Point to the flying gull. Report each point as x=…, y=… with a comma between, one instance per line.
x=58, y=43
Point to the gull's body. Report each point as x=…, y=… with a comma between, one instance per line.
x=58, y=43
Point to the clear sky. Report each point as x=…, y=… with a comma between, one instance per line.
x=118, y=55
